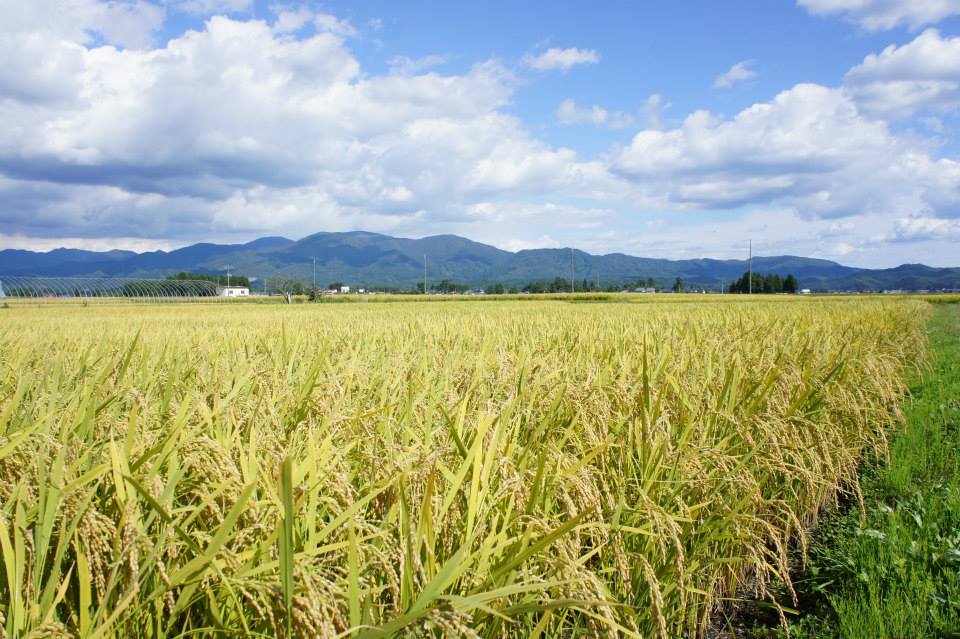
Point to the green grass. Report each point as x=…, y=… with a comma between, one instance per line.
x=892, y=568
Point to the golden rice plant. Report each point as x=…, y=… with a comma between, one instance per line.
x=509, y=469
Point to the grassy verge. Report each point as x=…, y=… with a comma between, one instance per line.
x=892, y=570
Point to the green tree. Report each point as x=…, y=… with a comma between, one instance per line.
x=772, y=283
x=790, y=284
x=235, y=280
x=559, y=285
x=536, y=287
x=677, y=285
x=768, y=283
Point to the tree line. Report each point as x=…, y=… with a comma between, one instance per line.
x=235, y=280
x=764, y=283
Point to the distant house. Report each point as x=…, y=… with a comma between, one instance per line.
x=804, y=291
x=344, y=289
x=233, y=291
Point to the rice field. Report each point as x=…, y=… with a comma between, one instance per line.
x=509, y=469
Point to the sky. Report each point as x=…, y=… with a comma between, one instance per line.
x=665, y=128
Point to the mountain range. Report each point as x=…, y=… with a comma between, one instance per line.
x=373, y=260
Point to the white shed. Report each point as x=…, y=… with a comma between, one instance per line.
x=234, y=291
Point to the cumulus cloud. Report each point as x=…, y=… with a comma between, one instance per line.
x=239, y=128
x=561, y=59
x=569, y=113
x=922, y=75
x=809, y=148
x=739, y=72
x=877, y=15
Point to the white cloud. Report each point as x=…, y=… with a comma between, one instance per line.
x=515, y=244
x=332, y=24
x=739, y=72
x=876, y=15
x=213, y=7
x=403, y=65
x=129, y=24
x=137, y=244
x=653, y=108
x=559, y=215
x=562, y=59
x=240, y=129
x=809, y=149
x=569, y=113
x=922, y=75
x=290, y=19
x=918, y=229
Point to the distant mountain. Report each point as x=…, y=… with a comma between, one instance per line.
x=374, y=260
x=15, y=260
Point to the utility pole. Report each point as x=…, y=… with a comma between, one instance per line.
x=424, y=273
x=573, y=271
x=227, y=268
x=314, y=274
x=750, y=270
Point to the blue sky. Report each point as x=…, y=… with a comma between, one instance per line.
x=670, y=129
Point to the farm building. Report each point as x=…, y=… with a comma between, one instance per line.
x=234, y=291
